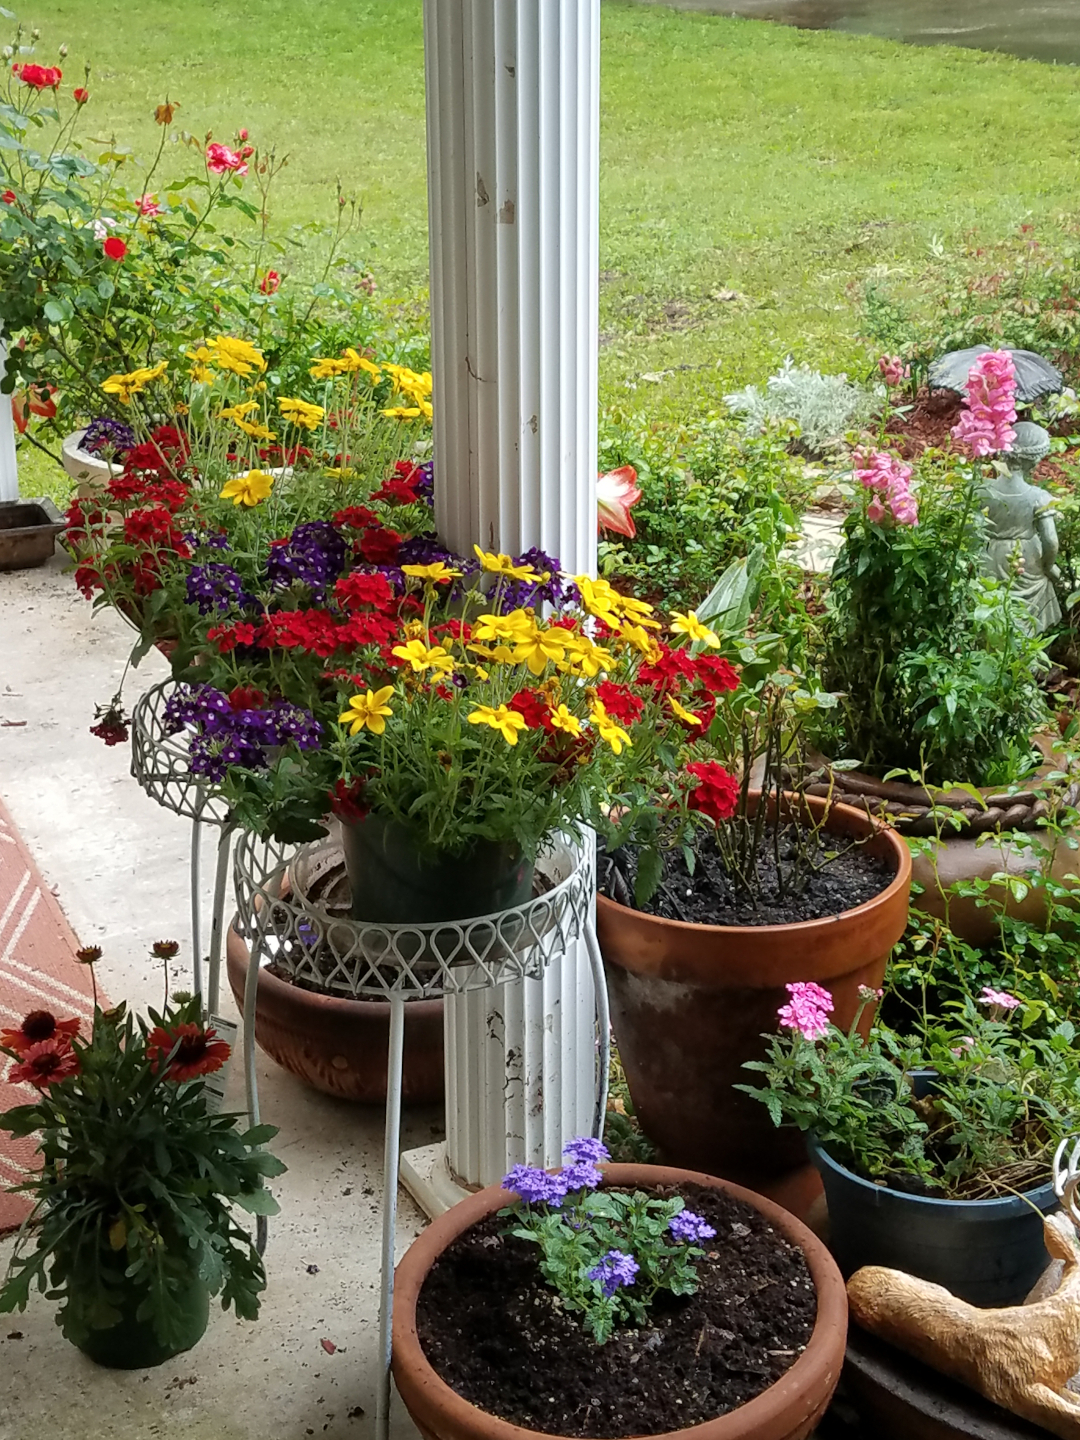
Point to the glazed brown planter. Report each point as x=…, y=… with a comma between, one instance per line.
x=787, y=1410
x=339, y=1045
x=690, y=1003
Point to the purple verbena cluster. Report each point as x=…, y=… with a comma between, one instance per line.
x=314, y=555
x=688, y=1227
x=614, y=1271
x=108, y=434
x=209, y=540
x=537, y=1187
x=424, y=485
x=216, y=587
x=228, y=735
x=520, y=594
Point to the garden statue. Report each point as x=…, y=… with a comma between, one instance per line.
x=1021, y=524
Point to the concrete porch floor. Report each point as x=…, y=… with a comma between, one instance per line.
x=119, y=867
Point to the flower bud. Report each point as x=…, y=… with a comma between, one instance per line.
x=63, y=51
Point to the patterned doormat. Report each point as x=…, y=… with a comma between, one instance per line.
x=38, y=971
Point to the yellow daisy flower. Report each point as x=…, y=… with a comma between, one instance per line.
x=421, y=658
x=368, y=711
x=301, y=413
x=508, y=722
x=561, y=719
x=682, y=712
x=504, y=565
x=125, y=386
x=437, y=573
x=540, y=648
x=612, y=734
x=248, y=489
x=690, y=626
x=232, y=353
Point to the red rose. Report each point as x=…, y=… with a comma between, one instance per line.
x=81, y=96
x=8, y=197
x=114, y=248
x=38, y=77
x=270, y=282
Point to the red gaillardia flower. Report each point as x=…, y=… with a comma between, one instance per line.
x=45, y=1064
x=114, y=248
x=270, y=282
x=37, y=1028
x=197, y=1051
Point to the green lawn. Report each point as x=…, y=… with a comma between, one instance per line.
x=737, y=157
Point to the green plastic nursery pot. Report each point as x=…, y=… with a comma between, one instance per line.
x=391, y=883
x=131, y=1344
x=787, y=1410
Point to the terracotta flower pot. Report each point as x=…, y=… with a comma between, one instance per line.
x=339, y=1045
x=690, y=1003
x=787, y=1410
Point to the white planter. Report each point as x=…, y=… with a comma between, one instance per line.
x=82, y=466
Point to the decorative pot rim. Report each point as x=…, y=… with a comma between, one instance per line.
x=1003, y=1205
x=796, y=929
x=816, y=1369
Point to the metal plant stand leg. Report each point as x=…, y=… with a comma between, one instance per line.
x=217, y=920
x=196, y=935
x=391, y=1161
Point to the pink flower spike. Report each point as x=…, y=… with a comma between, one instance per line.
x=990, y=396
x=807, y=1011
x=616, y=492
x=893, y=370
x=1000, y=998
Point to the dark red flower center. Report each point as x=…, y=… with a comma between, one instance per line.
x=191, y=1050
x=38, y=1026
x=48, y=1063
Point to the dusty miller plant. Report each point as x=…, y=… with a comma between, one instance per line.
x=823, y=406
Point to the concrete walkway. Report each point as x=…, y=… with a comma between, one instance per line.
x=119, y=866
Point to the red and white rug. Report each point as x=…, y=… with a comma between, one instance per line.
x=38, y=971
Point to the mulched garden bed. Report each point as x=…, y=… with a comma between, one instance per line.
x=927, y=424
x=707, y=897
x=497, y=1334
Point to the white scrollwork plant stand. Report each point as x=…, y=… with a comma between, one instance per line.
x=159, y=762
x=396, y=963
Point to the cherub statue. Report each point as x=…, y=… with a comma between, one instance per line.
x=1021, y=526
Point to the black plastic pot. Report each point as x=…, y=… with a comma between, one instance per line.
x=393, y=884
x=988, y=1252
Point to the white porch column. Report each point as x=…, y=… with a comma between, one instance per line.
x=513, y=125
x=9, y=474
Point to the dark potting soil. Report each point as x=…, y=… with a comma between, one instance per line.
x=708, y=897
x=495, y=1331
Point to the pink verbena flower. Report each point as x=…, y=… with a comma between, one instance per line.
x=1001, y=998
x=890, y=480
x=990, y=396
x=868, y=993
x=893, y=370
x=807, y=1011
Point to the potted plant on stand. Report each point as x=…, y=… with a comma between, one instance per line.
x=935, y=1146
x=767, y=887
x=633, y=1300
x=132, y=1226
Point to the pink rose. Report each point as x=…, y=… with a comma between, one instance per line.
x=220, y=159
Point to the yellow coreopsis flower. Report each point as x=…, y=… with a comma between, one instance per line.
x=248, y=489
x=257, y=432
x=403, y=412
x=422, y=658
x=508, y=722
x=632, y=607
x=638, y=639
x=501, y=654
x=583, y=657
x=301, y=413
x=540, y=648
x=200, y=370
x=682, y=712
x=692, y=627
x=504, y=565
x=355, y=361
x=368, y=711
x=125, y=386
x=238, y=412
x=328, y=369
x=340, y=472
x=614, y=735
x=437, y=572
x=562, y=719
x=232, y=353
x=599, y=599
x=514, y=626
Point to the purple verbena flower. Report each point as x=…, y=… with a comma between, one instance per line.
x=209, y=540
x=687, y=1226
x=226, y=736
x=424, y=485
x=615, y=1270
x=582, y=1176
x=314, y=555
x=108, y=434
x=534, y=1186
x=522, y=594
x=216, y=587
x=586, y=1150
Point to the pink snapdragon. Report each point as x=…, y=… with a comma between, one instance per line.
x=807, y=1011
x=1001, y=999
x=219, y=159
x=890, y=480
x=990, y=396
x=893, y=370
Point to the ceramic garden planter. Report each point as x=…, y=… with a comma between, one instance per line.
x=788, y=1410
x=28, y=531
x=690, y=1004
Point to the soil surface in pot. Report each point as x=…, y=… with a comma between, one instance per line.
x=708, y=897
x=494, y=1330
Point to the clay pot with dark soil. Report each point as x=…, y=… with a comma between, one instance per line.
x=787, y=1409
x=338, y=1045
x=690, y=1004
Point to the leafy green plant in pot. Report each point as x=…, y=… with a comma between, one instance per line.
x=935, y=1146
x=132, y=1225
x=754, y=888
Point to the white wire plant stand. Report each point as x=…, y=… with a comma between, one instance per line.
x=310, y=943
x=159, y=762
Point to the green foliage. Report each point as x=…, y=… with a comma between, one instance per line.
x=589, y=1225
x=998, y=1101
x=936, y=664
x=136, y=1187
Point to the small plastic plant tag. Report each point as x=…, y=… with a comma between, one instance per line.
x=215, y=1084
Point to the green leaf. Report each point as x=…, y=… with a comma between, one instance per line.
x=58, y=310
x=649, y=871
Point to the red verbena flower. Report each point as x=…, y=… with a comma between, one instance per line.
x=355, y=517
x=619, y=702
x=380, y=546
x=716, y=794
x=345, y=800
x=227, y=637
x=37, y=1028
x=532, y=709
x=112, y=723
x=197, y=1051
x=244, y=697
x=396, y=492
x=715, y=673
x=361, y=587
x=666, y=671
x=45, y=1064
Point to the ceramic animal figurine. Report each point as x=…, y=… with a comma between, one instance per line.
x=1020, y=1357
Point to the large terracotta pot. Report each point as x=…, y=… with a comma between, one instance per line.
x=690, y=1003
x=787, y=1410
x=339, y=1045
